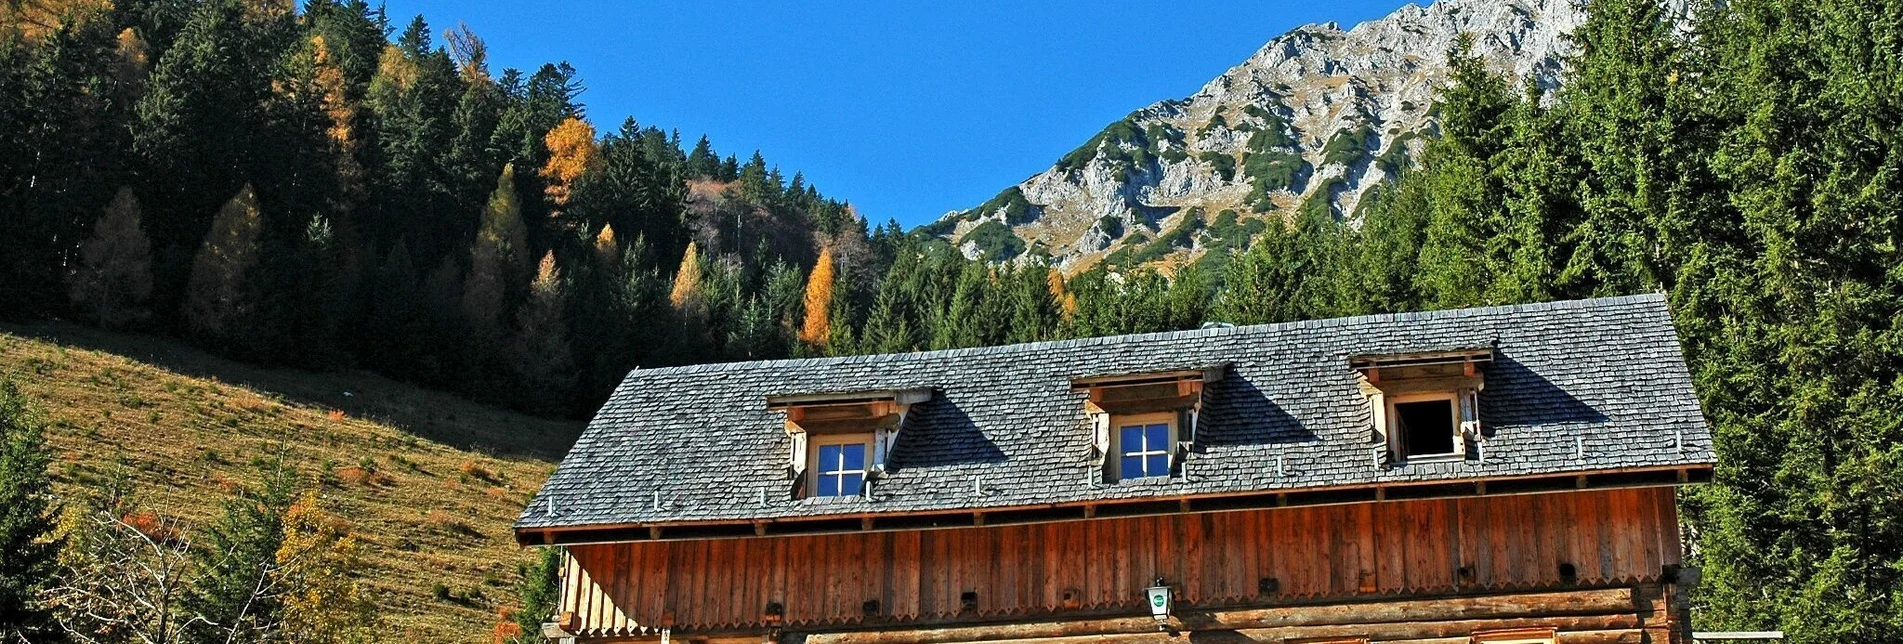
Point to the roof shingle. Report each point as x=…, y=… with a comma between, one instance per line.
x=1602, y=377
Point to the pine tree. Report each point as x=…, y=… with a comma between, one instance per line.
x=495, y=261
x=27, y=545
x=114, y=276
x=541, y=357
x=220, y=302
x=816, y=329
x=702, y=163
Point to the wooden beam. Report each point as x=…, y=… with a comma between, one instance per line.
x=1608, y=605
x=1388, y=633
x=1220, y=502
x=1615, y=636
x=1155, y=377
x=1714, y=636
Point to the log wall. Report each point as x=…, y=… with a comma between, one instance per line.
x=1392, y=550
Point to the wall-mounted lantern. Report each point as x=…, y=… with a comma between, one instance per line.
x=1159, y=596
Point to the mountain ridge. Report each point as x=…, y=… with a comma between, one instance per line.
x=1318, y=115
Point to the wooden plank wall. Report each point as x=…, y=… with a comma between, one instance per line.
x=1213, y=559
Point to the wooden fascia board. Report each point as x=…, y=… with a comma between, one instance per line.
x=897, y=396
x=1097, y=508
x=1210, y=373
x=1375, y=361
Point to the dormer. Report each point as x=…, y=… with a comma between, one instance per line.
x=842, y=440
x=1425, y=406
x=1143, y=424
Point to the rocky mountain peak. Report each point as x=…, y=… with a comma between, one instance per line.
x=1316, y=118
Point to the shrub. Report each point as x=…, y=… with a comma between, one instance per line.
x=446, y=522
x=471, y=470
x=1225, y=165
x=1349, y=146
x=995, y=241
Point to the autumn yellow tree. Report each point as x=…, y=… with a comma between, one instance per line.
x=495, y=260
x=34, y=19
x=114, y=275
x=571, y=154
x=607, y=248
x=216, y=297
x=327, y=79
x=542, y=358
x=1066, y=301
x=319, y=561
x=131, y=62
x=817, y=327
x=685, y=295
x=470, y=53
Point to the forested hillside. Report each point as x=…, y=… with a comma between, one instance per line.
x=297, y=187
x=324, y=187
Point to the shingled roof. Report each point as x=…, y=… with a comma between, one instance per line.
x=1575, y=387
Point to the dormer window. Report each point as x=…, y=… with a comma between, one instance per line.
x=1144, y=445
x=1426, y=424
x=841, y=442
x=839, y=464
x=1425, y=406
x=1144, y=424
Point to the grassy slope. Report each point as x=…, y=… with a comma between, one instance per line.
x=431, y=482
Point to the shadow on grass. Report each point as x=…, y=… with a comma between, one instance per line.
x=427, y=414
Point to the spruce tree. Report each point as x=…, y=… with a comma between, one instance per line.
x=1630, y=138
x=28, y=550
x=702, y=163
x=1460, y=256
x=237, y=595
x=1802, y=377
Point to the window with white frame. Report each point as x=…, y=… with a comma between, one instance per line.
x=1143, y=444
x=838, y=466
x=1426, y=425
x=1426, y=406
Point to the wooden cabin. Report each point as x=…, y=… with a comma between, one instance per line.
x=1499, y=475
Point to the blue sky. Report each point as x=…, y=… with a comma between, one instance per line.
x=907, y=109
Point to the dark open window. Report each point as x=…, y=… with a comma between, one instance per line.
x=1426, y=427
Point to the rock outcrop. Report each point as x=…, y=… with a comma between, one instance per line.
x=1316, y=118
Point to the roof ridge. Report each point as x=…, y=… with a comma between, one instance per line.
x=1206, y=332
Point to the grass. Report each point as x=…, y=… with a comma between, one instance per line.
x=429, y=481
